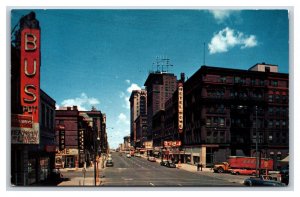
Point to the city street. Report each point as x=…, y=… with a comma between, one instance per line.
x=136, y=171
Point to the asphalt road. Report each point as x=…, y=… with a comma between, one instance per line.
x=139, y=172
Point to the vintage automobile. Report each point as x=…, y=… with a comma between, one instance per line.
x=163, y=163
x=263, y=180
x=109, y=163
x=243, y=172
x=170, y=164
x=151, y=159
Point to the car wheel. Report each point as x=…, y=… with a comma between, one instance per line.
x=253, y=174
x=237, y=173
x=220, y=170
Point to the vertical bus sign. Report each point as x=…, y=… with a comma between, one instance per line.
x=30, y=80
x=180, y=107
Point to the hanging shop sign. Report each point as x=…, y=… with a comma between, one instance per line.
x=180, y=107
x=26, y=131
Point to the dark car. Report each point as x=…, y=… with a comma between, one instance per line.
x=170, y=164
x=262, y=181
x=163, y=163
x=109, y=163
x=284, y=173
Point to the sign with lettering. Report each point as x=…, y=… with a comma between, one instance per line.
x=25, y=126
x=180, y=107
x=172, y=143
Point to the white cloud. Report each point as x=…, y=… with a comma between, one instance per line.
x=222, y=15
x=127, y=81
x=122, y=119
x=229, y=38
x=133, y=87
x=83, y=102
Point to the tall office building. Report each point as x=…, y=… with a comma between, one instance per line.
x=160, y=87
x=138, y=108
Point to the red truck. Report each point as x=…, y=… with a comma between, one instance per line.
x=237, y=162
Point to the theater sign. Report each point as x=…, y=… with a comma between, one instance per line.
x=180, y=107
x=25, y=126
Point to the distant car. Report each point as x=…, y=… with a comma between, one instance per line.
x=262, y=181
x=163, y=163
x=109, y=163
x=243, y=172
x=137, y=155
x=151, y=159
x=128, y=156
x=170, y=164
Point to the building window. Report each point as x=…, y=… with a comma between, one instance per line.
x=222, y=79
x=221, y=122
x=237, y=79
x=208, y=122
x=283, y=124
x=253, y=82
x=277, y=124
x=270, y=124
x=261, y=82
x=271, y=110
x=270, y=98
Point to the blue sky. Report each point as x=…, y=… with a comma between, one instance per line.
x=96, y=57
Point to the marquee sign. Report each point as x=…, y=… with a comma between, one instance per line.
x=180, y=107
x=25, y=127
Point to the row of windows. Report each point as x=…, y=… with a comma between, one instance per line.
x=246, y=81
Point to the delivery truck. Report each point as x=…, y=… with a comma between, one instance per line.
x=238, y=162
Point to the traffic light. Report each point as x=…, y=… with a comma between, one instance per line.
x=81, y=140
x=61, y=140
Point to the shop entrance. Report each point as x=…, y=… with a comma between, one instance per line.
x=70, y=162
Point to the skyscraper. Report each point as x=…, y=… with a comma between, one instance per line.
x=160, y=87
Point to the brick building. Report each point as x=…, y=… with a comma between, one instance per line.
x=226, y=110
x=84, y=134
x=160, y=87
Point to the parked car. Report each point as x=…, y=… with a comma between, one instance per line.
x=137, y=155
x=163, y=163
x=263, y=180
x=284, y=173
x=109, y=163
x=128, y=155
x=170, y=164
x=243, y=172
x=151, y=159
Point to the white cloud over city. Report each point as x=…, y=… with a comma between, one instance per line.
x=122, y=118
x=228, y=38
x=222, y=15
x=83, y=102
x=126, y=94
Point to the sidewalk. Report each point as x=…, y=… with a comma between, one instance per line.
x=192, y=168
x=82, y=181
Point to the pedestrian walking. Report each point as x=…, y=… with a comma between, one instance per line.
x=198, y=166
x=201, y=166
